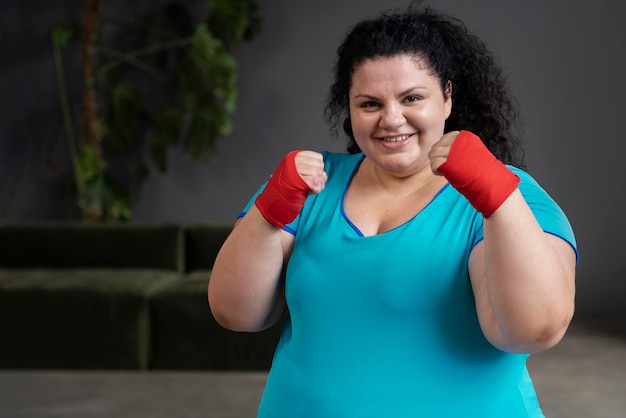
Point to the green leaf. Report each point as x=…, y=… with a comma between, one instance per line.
x=234, y=20
x=168, y=125
x=65, y=34
x=212, y=71
x=122, y=116
x=89, y=166
x=115, y=200
x=90, y=198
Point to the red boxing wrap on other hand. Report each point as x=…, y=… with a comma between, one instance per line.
x=284, y=195
x=477, y=174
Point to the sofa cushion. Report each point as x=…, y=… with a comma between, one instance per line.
x=77, y=318
x=186, y=336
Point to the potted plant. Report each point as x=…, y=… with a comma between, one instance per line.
x=161, y=78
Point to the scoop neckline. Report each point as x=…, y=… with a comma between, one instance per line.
x=356, y=229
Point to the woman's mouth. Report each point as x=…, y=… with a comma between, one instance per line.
x=398, y=138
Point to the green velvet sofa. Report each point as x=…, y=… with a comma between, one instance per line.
x=75, y=295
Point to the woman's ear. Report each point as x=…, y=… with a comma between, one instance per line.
x=447, y=90
x=447, y=97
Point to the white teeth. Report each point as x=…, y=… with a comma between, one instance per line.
x=396, y=139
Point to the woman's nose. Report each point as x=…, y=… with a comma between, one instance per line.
x=392, y=117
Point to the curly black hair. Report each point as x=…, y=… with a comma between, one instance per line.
x=481, y=101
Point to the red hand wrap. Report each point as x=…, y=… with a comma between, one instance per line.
x=284, y=195
x=477, y=174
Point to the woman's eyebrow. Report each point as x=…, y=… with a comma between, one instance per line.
x=402, y=93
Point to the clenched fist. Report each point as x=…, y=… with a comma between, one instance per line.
x=438, y=154
x=473, y=170
x=310, y=167
x=299, y=174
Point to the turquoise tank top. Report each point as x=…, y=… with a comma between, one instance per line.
x=386, y=325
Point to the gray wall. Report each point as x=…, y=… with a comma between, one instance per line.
x=565, y=62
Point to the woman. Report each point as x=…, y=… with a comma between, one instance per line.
x=418, y=271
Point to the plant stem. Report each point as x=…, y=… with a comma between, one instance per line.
x=131, y=57
x=65, y=104
x=92, y=130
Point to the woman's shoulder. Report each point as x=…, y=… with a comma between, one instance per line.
x=547, y=211
x=532, y=191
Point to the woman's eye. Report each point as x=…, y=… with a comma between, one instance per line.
x=369, y=105
x=412, y=99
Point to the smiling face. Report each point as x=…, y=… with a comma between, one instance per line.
x=398, y=111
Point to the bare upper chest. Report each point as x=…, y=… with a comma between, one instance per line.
x=375, y=211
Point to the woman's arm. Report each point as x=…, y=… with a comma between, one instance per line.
x=246, y=291
x=523, y=280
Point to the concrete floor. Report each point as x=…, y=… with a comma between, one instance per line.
x=583, y=377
